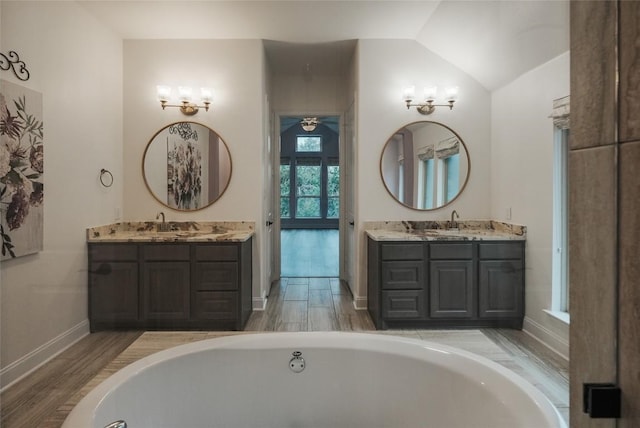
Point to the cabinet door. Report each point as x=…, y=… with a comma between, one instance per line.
x=500, y=287
x=113, y=293
x=166, y=290
x=451, y=289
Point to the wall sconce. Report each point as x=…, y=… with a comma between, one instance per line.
x=184, y=96
x=430, y=92
x=309, y=123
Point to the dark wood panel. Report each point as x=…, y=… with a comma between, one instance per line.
x=500, y=289
x=216, y=276
x=113, y=252
x=165, y=251
x=451, y=251
x=113, y=296
x=409, y=251
x=166, y=290
x=216, y=305
x=403, y=275
x=217, y=252
x=403, y=304
x=158, y=291
x=451, y=289
x=501, y=250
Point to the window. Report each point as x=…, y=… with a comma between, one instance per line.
x=285, y=188
x=308, y=143
x=401, y=180
x=560, y=260
x=308, y=180
x=426, y=183
x=452, y=172
x=310, y=193
x=333, y=189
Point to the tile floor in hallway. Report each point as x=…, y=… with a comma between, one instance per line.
x=309, y=304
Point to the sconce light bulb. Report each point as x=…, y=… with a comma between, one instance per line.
x=184, y=93
x=409, y=93
x=164, y=92
x=206, y=95
x=430, y=93
x=452, y=94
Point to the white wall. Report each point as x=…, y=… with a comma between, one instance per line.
x=76, y=63
x=522, y=179
x=385, y=68
x=234, y=71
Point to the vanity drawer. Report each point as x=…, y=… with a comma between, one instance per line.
x=216, y=252
x=402, y=251
x=113, y=252
x=406, y=304
x=216, y=305
x=216, y=276
x=403, y=275
x=169, y=252
x=452, y=251
x=501, y=250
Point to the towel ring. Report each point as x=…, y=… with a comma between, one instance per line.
x=109, y=179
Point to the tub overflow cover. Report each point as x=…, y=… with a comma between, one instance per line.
x=296, y=363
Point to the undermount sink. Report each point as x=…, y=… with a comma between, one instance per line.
x=164, y=227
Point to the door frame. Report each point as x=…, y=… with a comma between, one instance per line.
x=276, y=244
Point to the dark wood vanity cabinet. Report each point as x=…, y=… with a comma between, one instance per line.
x=170, y=286
x=446, y=284
x=113, y=284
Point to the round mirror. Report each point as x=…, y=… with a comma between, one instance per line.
x=425, y=165
x=186, y=166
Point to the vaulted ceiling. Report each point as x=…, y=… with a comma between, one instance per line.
x=494, y=41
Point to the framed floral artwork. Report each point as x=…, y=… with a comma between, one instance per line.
x=21, y=170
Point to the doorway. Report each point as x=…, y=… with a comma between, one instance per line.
x=309, y=196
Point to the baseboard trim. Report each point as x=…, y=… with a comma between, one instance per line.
x=360, y=303
x=259, y=303
x=548, y=338
x=35, y=359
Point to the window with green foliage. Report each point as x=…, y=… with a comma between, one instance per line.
x=308, y=143
x=285, y=190
x=308, y=178
x=333, y=191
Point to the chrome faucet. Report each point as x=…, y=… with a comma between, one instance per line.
x=162, y=227
x=453, y=224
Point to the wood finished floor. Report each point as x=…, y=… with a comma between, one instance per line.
x=295, y=304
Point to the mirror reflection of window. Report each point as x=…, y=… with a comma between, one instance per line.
x=424, y=165
x=426, y=189
x=452, y=183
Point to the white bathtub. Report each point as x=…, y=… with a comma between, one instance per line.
x=348, y=380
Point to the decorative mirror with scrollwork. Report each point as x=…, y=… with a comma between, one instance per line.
x=186, y=166
x=425, y=165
